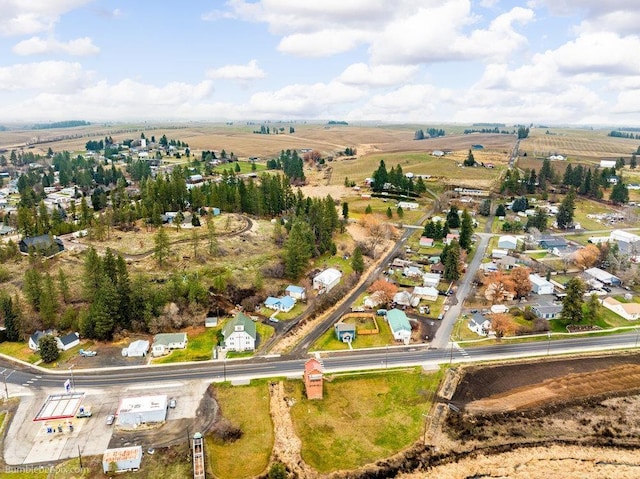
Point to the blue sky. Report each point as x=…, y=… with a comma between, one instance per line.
x=425, y=61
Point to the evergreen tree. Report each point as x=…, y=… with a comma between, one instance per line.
x=564, y=217
x=9, y=313
x=161, y=247
x=357, y=261
x=572, y=302
x=400, y=212
x=380, y=177
x=501, y=210
x=485, y=208
x=453, y=219
x=297, y=248
x=389, y=212
x=92, y=274
x=48, y=301
x=469, y=160
x=620, y=193
x=538, y=220
x=466, y=230
x=368, y=210
x=48, y=348
x=592, y=309
x=32, y=287
x=633, y=163
x=104, y=310
x=452, y=261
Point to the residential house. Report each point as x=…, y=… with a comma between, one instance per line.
x=507, y=242
x=431, y=279
x=479, y=324
x=566, y=251
x=345, y=332
x=240, y=334
x=412, y=272
x=327, y=280
x=603, y=276
x=539, y=285
x=68, y=341
x=399, y=324
x=313, y=378
x=34, y=339
x=490, y=267
x=629, y=311
x=163, y=343
x=408, y=205
x=6, y=230
x=450, y=237
x=426, y=242
x=427, y=293
x=284, y=303
x=547, y=311
x=404, y=298
x=45, y=244
x=549, y=242
x=498, y=253
x=437, y=268
x=296, y=292
x=137, y=349
x=374, y=300
x=628, y=243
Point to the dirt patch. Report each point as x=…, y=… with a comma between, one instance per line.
x=483, y=382
x=615, y=379
x=287, y=445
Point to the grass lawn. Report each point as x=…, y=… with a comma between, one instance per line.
x=199, y=348
x=19, y=351
x=247, y=407
x=461, y=331
x=245, y=167
x=540, y=255
x=327, y=261
x=328, y=341
x=383, y=413
x=264, y=333
x=296, y=311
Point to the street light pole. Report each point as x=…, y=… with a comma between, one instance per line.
x=386, y=358
x=548, y=342
x=4, y=377
x=73, y=384
x=224, y=369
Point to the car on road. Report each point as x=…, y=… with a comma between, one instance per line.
x=172, y=403
x=110, y=419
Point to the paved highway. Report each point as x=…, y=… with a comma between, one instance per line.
x=382, y=358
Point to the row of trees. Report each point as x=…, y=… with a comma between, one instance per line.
x=290, y=163
x=395, y=179
x=430, y=133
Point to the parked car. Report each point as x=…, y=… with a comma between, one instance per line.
x=87, y=354
x=607, y=289
x=83, y=412
x=172, y=403
x=110, y=419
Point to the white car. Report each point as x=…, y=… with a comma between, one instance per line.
x=110, y=419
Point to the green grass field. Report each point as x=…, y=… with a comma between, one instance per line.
x=329, y=342
x=247, y=407
x=19, y=351
x=361, y=419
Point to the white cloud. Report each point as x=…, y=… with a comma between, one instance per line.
x=24, y=17
x=52, y=76
x=322, y=43
x=377, y=75
x=250, y=71
x=305, y=101
x=37, y=46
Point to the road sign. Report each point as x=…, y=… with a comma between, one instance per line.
x=67, y=385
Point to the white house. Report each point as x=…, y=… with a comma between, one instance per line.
x=412, y=272
x=607, y=163
x=399, y=324
x=426, y=242
x=165, y=342
x=34, y=339
x=240, y=334
x=327, y=280
x=374, y=300
x=68, y=341
x=498, y=253
x=629, y=311
x=402, y=298
x=408, y=205
x=539, y=285
x=427, y=293
x=628, y=243
x=507, y=242
x=479, y=324
x=547, y=311
x=431, y=279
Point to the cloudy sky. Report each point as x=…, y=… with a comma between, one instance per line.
x=426, y=61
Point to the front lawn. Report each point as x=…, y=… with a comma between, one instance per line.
x=329, y=342
x=361, y=419
x=199, y=348
x=19, y=351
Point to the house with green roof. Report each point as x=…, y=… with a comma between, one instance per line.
x=165, y=342
x=399, y=324
x=240, y=334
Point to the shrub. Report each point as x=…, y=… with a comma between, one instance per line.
x=48, y=348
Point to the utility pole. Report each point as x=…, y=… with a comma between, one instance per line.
x=637, y=336
x=224, y=369
x=79, y=456
x=73, y=384
x=6, y=391
x=451, y=354
x=548, y=342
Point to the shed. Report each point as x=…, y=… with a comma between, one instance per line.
x=426, y=242
x=137, y=349
x=603, y=276
x=134, y=411
x=498, y=309
x=399, y=324
x=297, y=292
x=122, y=459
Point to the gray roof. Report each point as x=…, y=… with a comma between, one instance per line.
x=167, y=338
x=547, y=308
x=342, y=327
x=69, y=338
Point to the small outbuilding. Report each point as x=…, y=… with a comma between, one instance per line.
x=507, y=242
x=327, y=280
x=296, y=292
x=137, y=349
x=68, y=341
x=122, y=459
